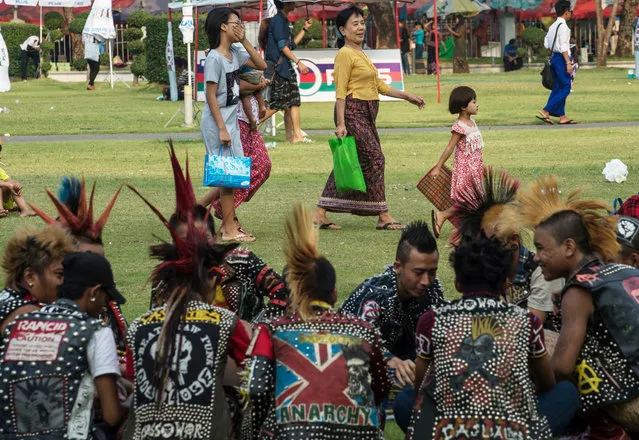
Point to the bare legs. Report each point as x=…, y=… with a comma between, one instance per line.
x=231, y=229
x=292, y=123
x=210, y=197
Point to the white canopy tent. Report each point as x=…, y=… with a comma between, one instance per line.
x=48, y=4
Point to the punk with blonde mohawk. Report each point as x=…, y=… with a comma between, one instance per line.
x=310, y=276
x=542, y=204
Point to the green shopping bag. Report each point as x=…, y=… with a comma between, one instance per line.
x=348, y=173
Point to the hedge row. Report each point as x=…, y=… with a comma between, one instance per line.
x=14, y=35
x=156, y=33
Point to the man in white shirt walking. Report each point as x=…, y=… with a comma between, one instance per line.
x=558, y=40
x=30, y=49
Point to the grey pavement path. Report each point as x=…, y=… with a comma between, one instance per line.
x=194, y=135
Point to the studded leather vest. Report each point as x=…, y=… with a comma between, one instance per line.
x=482, y=385
x=193, y=405
x=46, y=387
x=607, y=368
x=329, y=373
x=10, y=301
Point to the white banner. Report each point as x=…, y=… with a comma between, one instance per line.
x=318, y=85
x=5, y=83
x=186, y=25
x=271, y=9
x=99, y=24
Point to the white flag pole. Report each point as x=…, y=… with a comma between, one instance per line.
x=111, y=62
x=187, y=27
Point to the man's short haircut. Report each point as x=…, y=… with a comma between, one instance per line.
x=278, y=4
x=416, y=236
x=568, y=224
x=561, y=7
x=512, y=41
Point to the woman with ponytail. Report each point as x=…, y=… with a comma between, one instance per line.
x=357, y=89
x=180, y=349
x=314, y=373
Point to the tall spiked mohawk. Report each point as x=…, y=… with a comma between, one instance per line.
x=183, y=254
x=482, y=207
x=543, y=200
x=186, y=264
x=309, y=274
x=74, y=213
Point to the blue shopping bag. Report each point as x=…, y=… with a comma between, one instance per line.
x=227, y=171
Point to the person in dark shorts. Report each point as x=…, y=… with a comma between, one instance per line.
x=284, y=93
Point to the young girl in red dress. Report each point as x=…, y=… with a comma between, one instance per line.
x=468, y=144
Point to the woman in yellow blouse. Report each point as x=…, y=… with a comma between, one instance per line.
x=358, y=86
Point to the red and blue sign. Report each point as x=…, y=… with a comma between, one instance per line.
x=318, y=85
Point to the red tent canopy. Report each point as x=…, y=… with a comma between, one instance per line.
x=583, y=9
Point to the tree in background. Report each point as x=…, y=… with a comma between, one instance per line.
x=53, y=23
x=627, y=28
x=134, y=37
x=313, y=38
x=76, y=26
x=604, y=32
x=384, y=17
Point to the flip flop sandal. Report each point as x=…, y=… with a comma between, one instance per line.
x=387, y=227
x=568, y=122
x=433, y=220
x=307, y=141
x=3, y=213
x=330, y=226
x=546, y=119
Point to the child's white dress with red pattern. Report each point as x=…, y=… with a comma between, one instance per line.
x=469, y=163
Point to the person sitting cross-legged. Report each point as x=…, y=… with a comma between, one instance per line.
x=394, y=300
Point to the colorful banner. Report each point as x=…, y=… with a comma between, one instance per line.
x=170, y=63
x=318, y=85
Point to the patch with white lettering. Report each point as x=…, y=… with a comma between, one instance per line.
x=35, y=341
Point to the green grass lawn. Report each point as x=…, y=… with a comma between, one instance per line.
x=299, y=172
x=298, y=175
x=512, y=98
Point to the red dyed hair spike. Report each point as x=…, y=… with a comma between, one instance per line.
x=185, y=201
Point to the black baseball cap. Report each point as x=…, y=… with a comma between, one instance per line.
x=628, y=231
x=89, y=269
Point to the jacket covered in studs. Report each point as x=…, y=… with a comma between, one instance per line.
x=320, y=379
x=249, y=288
x=607, y=369
x=11, y=300
x=253, y=290
x=194, y=404
x=46, y=389
x=376, y=301
x=519, y=292
x=478, y=377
